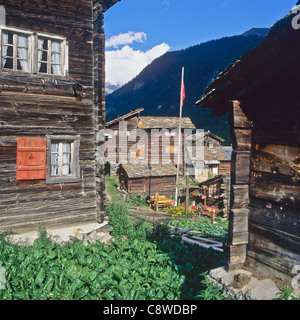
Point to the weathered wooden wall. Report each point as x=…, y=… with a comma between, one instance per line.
x=151, y=185
x=274, y=211
x=28, y=109
x=155, y=152
x=265, y=194
x=239, y=191
x=224, y=167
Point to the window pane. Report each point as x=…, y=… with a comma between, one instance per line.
x=54, y=146
x=55, y=69
x=67, y=147
x=42, y=67
x=55, y=46
x=22, y=53
x=22, y=65
x=42, y=44
x=54, y=170
x=66, y=169
x=55, y=58
x=4, y=38
x=67, y=158
x=54, y=158
x=9, y=51
x=22, y=41
x=7, y=63
x=43, y=56
x=7, y=38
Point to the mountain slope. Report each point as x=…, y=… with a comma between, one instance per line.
x=157, y=87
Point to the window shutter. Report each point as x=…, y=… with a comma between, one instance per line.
x=31, y=158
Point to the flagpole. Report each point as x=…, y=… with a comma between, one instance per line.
x=179, y=138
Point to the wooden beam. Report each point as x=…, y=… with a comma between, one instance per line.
x=235, y=256
x=238, y=221
x=240, y=167
x=187, y=191
x=239, y=196
x=241, y=139
x=238, y=117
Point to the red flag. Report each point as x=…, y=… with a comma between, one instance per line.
x=182, y=93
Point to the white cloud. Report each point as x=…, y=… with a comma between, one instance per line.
x=124, y=64
x=125, y=38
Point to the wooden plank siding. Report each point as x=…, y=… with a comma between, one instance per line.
x=160, y=148
x=274, y=211
x=29, y=108
x=151, y=185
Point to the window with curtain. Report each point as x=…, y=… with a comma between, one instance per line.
x=24, y=51
x=63, y=159
x=49, y=56
x=14, y=51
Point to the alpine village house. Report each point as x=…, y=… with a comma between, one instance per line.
x=260, y=92
x=52, y=103
x=145, y=157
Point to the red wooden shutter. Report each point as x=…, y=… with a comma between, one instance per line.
x=31, y=158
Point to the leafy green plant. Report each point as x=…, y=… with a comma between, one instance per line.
x=204, y=226
x=286, y=293
x=138, y=200
x=143, y=262
x=118, y=219
x=211, y=291
x=159, y=233
x=125, y=270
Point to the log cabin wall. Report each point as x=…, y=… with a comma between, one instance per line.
x=35, y=105
x=274, y=210
x=264, y=217
x=160, y=148
x=151, y=185
x=167, y=146
x=224, y=167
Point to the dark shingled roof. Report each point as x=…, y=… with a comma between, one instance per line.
x=109, y=3
x=144, y=170
x=201, y=135
x=125, y=116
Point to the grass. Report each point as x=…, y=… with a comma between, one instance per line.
x=111, y=186
x=131, y=201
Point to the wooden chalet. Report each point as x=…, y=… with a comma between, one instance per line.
x=52, y=102
x=143, y=179
x=161, y=138
x=217, y=161
x=216, y=157
x=117, y=153
x=207, y=139
x=260, y=92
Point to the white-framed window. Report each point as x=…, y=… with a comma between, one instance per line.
x=63, y=159
x=37, y=53
x=15, y=51
x=50, y=58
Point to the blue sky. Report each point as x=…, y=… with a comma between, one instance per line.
x=138, y=31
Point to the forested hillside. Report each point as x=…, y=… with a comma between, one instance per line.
x=157, y=87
